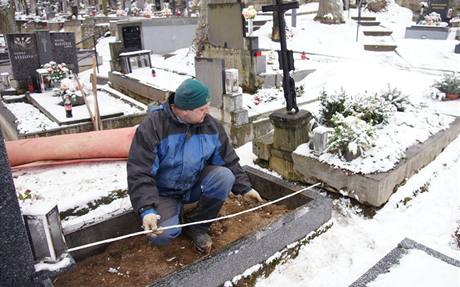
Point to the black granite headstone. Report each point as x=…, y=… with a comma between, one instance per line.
x=457, y=49
x=45, y=50
x=16, y=258
x=439, y=6
x=131, y=38
x=23, y=53
x=64, y=50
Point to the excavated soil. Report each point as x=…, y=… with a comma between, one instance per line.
x=134, y=262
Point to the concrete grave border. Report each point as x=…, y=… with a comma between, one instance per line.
x=310, y=212
x=375, y=189
x=8, y=123
x=392, y=258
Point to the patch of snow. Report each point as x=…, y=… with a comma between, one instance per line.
x=30, y=119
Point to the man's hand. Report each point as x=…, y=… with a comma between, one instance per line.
x=254, y=195
x=150, y=222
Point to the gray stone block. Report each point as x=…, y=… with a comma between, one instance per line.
x=291, y=130
x=320, y=139
x=457, y=49
x=262, y=146
x=427, y=32
x=269, y=81
x=233, y=102
x=239, y=117
x=261, y=64
x=212, y=73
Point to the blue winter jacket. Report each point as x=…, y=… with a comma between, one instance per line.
x=168, y=155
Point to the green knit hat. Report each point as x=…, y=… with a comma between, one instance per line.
x=191, y=94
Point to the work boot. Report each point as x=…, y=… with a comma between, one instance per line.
x=200, y=238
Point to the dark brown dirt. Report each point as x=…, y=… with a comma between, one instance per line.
x=134, y=262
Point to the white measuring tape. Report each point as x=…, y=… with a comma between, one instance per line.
x=191, y=223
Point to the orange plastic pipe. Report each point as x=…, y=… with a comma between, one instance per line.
x=107, y=144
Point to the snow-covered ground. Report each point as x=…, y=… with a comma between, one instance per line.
x=426, y=208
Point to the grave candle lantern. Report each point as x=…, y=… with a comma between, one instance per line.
x=44, y=231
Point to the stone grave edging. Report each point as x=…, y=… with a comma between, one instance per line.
x=375, y=189
x=392, y=258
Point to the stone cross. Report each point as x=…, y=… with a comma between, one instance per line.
x=294, y=18
x=285, y=56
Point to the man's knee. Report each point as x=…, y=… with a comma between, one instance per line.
x=218, y=182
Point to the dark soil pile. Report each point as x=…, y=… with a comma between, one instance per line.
x=134, y=262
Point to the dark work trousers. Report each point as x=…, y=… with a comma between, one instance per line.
x=211, y=190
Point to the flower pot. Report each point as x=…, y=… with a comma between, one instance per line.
x=452, y=96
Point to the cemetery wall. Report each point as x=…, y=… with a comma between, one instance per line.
x=168, y=35
x=161, y=35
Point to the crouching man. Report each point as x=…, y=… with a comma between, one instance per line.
x=181, y=155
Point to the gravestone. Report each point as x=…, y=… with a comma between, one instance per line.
x=131, y=38
x=16, y=259
x=64, y=50
x=24, y=59
x=45, y=50
x=227, y=41
x=212, y=73
x=226, y=17
x=457, y=49
x=29, y=51
x=427, y=32
x=439, y=6
x=87, y=30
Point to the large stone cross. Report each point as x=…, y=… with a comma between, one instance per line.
x=285, y=56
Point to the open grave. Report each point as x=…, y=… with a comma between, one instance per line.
x=239, y=243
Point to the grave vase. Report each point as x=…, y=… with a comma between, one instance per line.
x=452, y=96
x=56, y=83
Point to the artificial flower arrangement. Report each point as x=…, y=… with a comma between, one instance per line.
x=56, y=71
x=166, y=12
x=249, y=13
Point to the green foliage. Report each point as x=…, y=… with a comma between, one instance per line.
x=396, y=98
x=354, y=118
x=351, y=135
x=372, y=109
x=331, y=105
x=449, y=84
x=28, y=195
